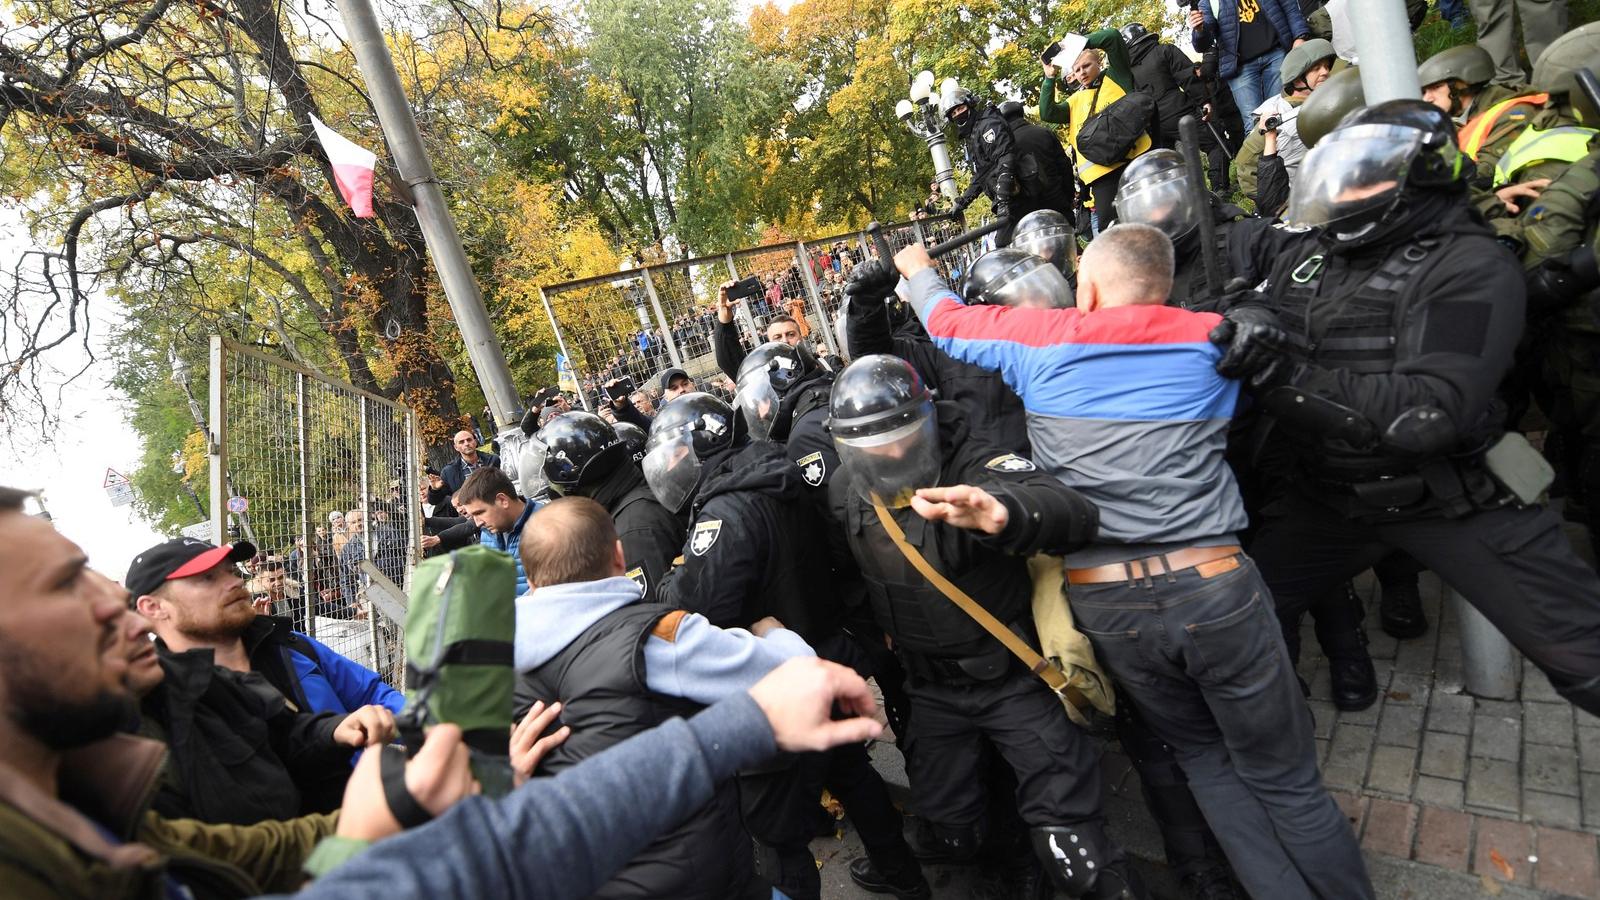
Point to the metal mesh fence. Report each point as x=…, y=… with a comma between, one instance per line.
x=319, y=476
x=638, y=322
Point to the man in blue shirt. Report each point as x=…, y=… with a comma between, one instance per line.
x=491, y=500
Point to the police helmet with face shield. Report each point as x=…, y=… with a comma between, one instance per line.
x=1048, y=235
x=634, y=437
x=883, y=425
x=765, y=379
x=1356, y=177
x=1012, y=277
x=1156, y=191
x=685, y=433
x=580, y=450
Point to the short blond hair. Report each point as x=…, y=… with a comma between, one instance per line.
x=1130, y=264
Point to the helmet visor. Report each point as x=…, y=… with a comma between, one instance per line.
x=671, y=468
x=1055, y=244
x=1352, y=174
x=759, y=401
x=1164, y=200
x=889, y=467
x=531, y=466
x=1041, y=286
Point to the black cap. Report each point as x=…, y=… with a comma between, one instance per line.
x=665, y=378
x=180, y=558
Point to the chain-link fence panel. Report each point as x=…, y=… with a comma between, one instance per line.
x=687, y=293
x=319, y=476
x=609, y=333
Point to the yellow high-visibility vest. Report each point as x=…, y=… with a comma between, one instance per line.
x=1473, y=134
x=1084, y=104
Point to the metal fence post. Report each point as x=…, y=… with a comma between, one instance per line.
x=302, y=434
x=366, y=525
x=802, y=256
x=1488, y=663
x=916, y=229
x=661, y=319
x=216, y=436
x=561, y=343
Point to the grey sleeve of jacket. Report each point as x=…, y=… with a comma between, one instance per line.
x=562, y=837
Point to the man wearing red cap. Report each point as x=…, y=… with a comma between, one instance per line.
x=245, y=743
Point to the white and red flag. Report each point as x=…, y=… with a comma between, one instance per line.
x=353, y=165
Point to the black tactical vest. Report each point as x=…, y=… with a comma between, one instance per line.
x=1358, y=330
x=911, y=610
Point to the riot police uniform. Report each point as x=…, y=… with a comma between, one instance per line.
x=752, y=552
x=783, y=393
x=581, y=455
x=965, y=686
x=1043, y=173
x=991, y=150
x=877, y=325
x=1399, y=312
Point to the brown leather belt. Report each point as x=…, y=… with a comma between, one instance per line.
x=1210, y=561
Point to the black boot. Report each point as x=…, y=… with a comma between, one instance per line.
x=1213, y=884
x=1355, y=684
x=1400, y=609
x=907, y=883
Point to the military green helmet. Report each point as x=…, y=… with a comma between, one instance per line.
x=1556, y=70
x=1329, y=103
x=1468, y=63
x=1300, y=60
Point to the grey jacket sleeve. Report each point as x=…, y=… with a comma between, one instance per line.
x=563, y=837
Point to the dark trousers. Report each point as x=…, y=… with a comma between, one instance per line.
x=1104, y=192
x=1514, y=564
x=1204, y=663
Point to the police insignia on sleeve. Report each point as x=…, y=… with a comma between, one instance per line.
x=988, y=136
x=637, y=576
x=1010, y=462
x=704, y=535
x=813, y=468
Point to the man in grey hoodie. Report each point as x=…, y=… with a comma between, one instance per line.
x=619, y=666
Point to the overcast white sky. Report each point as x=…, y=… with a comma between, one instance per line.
x=70, y=464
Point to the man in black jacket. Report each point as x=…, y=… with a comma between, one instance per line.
x=994, y=510
x=991, y=151
x=783, y=393
x=1396, y=316
x=585, y=457
x=753, y=552
x=455, y=473
x=241, y=752
x=1044, y=174
x=1167, y=74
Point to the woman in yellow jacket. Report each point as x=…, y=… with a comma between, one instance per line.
x=1101, y=87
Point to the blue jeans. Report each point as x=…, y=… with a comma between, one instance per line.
x=1455, y=12
x=1256, y=80
x=1203, y=661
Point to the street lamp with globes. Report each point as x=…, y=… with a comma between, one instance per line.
x=920, y=114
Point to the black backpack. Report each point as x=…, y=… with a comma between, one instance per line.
x=1108, y=135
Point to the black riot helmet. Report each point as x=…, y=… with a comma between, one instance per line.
x=687, y=431
x=1355, y=182
x=881, y=416
x=1156, y=191
x=767, y=377
x=634, y=437
x=1012, y=277
x=1048, y=235
x=580, y=450
x=1134, y=33
x=958, y=105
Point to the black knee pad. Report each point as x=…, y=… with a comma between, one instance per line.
x=961, y=843
x=1079, y=862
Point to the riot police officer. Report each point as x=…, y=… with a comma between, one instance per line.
x=1156, y=190
x=1050, y=236
x=1043, y=173
x=1012, y=277
x=783, y=393
x=633, y=436
x=878, y=322
x=965, y=686
x=582, y=456
x=752, y=552
x=991, y=149
x=1397, y=313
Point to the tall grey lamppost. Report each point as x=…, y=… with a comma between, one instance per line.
x=921, y=115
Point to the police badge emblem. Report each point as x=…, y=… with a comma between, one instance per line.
x=988, y=136
x=813, y=468
x=1010, y=462
x=637, y=576
x=704, y=535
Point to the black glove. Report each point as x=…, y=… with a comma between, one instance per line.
x=871, y=283
x=1002, y=209
x=959, y=206
x=1254, y=347
x=1559, y=280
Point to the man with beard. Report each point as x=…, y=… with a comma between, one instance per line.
x=245, y=745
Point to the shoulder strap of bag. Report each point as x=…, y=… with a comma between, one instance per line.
x=1038, y=665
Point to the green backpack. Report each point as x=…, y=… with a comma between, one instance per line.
x=459, y=629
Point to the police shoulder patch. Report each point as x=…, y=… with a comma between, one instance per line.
x=704, y=536
x=1010, y=462
x=988, y=136
x=813, y=468
x=1291, y=229
x=637, y=576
